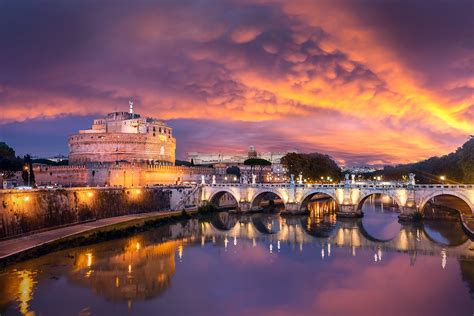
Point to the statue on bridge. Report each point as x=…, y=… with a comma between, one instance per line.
x=254, y=177
x=213, y=179
x=411, y=178
x=203, y=180
x=347, y=182
x=300, y=179
x=292, y=180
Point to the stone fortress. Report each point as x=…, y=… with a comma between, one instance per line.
x=122, y=149
x=124, y=136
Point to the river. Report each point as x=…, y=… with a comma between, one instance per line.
x=260, y=264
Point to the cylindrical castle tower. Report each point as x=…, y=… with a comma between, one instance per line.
x=123, y=136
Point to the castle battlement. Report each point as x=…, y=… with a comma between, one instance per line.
x=123, y=136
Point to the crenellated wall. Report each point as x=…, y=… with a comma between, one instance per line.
x=117, y=175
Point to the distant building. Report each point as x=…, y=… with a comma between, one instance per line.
x=211, y=158
x=58, y=158
x=221, y=161
x=360, y=170
x=123, y=136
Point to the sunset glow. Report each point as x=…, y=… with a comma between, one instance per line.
x=368, y=82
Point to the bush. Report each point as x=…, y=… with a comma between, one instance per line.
x=418, y=216
x=207, y=208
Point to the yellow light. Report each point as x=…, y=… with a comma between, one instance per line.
x=129, y=268
x=442, y=178
x=138, y=191
x=89, y=259
x=90, y=194
x=26, y=198
x=137, y=246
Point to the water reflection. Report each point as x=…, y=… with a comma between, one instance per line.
x=321, y=222
x=449, y=233
x=206, y=266
x=380, y=220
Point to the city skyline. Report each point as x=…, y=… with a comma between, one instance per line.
x=367, y=83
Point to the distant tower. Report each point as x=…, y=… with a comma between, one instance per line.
x=130, y=103
x=252, y=152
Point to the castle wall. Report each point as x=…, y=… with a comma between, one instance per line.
x=61, y=175
x=112, y=147
x=126, y=175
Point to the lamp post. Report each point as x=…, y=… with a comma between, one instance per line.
x=27, y=169
x=442, y=178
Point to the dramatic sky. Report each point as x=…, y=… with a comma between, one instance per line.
x=368, y=82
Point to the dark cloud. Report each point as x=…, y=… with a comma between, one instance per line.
x=251, y=72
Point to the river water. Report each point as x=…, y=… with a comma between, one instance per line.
x=260, y=264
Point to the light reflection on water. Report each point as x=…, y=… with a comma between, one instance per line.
x=256, y=264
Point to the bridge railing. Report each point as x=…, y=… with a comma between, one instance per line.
x=342, y=185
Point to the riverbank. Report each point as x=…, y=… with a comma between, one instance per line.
x=22, y=248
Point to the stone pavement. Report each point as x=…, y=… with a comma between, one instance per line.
x=18, y=245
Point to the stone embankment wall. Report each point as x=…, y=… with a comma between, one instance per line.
x=26, y=211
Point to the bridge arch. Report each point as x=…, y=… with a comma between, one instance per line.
x=365, y=195
x=260, y=195
x=308, y=196
x=458, y=195
x=216, y=196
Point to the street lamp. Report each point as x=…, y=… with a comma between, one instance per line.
x=27, y=169
x=442, y=178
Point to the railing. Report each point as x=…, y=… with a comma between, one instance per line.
x=342, y=185
x=182, y=203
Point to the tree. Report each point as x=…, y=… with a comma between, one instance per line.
x=9, y=163
x=234, y=170
x=253, y=162
x=312, y=166
x=28, y=174
x=455, y=167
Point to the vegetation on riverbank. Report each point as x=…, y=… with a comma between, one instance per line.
x=456, y=167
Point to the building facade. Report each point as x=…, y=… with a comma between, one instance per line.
x=275, y=173
x=211, y=158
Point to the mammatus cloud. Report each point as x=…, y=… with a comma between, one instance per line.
x=367, y=81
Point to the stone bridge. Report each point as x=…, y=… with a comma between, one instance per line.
x=349, y=196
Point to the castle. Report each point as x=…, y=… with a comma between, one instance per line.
x=122, y=149
x=124, y=136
